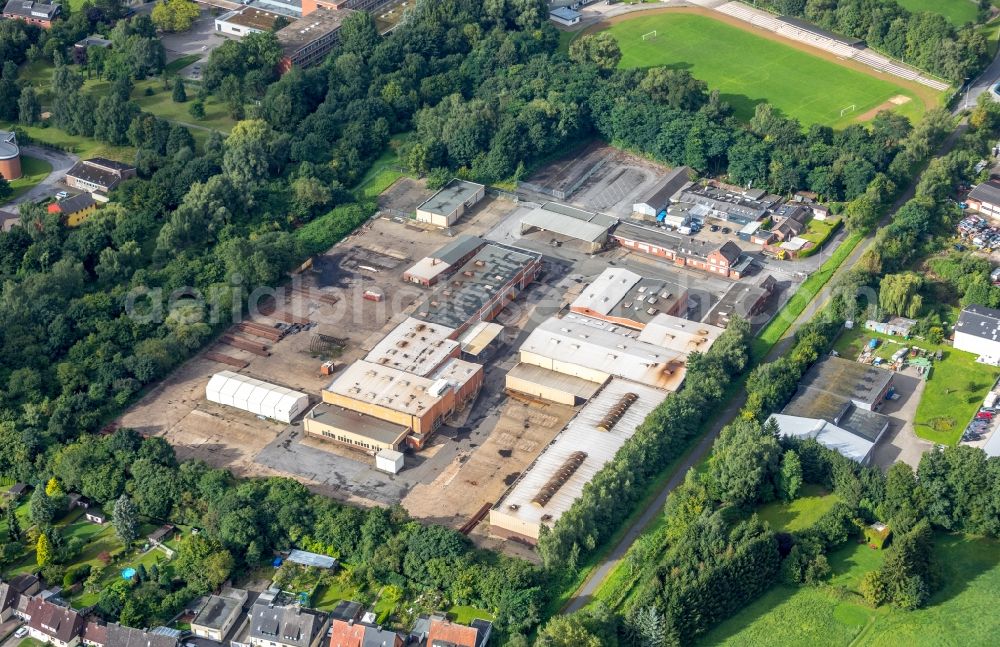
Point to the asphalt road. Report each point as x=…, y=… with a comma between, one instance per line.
x=982, y=83
x=60, y=161
x=584, y=595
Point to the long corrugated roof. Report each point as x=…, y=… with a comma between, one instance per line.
x=582, y=434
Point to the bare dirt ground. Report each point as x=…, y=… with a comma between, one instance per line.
x=404, y=195
x=481, y=476
x=328, y=293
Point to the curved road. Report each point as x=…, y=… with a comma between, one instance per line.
x=584, y=595
x=60, y=161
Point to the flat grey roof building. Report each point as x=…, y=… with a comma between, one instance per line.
x=365, y=425
x=451, y=197
x=463, y=299
x=862, y=384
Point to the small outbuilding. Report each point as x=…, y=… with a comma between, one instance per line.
x=96, y=515
x=565, y=16
x=444, y=208
x=389, y=460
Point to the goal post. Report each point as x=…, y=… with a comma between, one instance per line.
x=650, y=35
x=849, y=109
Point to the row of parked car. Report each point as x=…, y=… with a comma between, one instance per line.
x=980, y=425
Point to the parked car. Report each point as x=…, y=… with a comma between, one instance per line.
x=62, y=195
x=21, y=633
x=714, y=228
x=984, y=415
x=727, y=230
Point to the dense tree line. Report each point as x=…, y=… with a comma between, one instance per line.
x=925, y=39
x=241, y=524
x=659, y=439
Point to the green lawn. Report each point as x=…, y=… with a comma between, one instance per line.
x=33, y=171
x=813, y=503
x=81, y=146
x=817, y=231
x=748, y=69
x=789, y=615
x=955, y=387
x=959, y=614
x=329, y=595
x=465, y=615
x=958, y=12
x=160, y=103
x=383, y=171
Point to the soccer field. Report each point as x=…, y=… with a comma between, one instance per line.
x=958, y=12
x=749, y=69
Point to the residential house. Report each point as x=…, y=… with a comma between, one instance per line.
x=98, y=175
x=218, y=614
x=978, y=331
x=358, y=634
x=745, y=301
x=33, y=13
x=74, y=210
x=49, y=623
x=162, y=534
x=115, y=635
x=444, y=633
x=17, y=491
x=274, y=623
x=793, y=222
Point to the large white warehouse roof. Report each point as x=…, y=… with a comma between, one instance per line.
x=255, y=396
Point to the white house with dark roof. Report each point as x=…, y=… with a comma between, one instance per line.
x=978, y=332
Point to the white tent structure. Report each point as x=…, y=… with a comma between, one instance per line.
x=255, y=396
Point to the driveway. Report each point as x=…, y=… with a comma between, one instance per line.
x=201, y=39
x=60, y=161
x=901, y=444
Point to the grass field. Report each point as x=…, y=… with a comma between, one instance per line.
x=813, y=503
x=749, y=69
x=33, y=171
x=958, y=12
x=81, y=146
x=959, y=614
x=955, y=388
x=159, y=103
